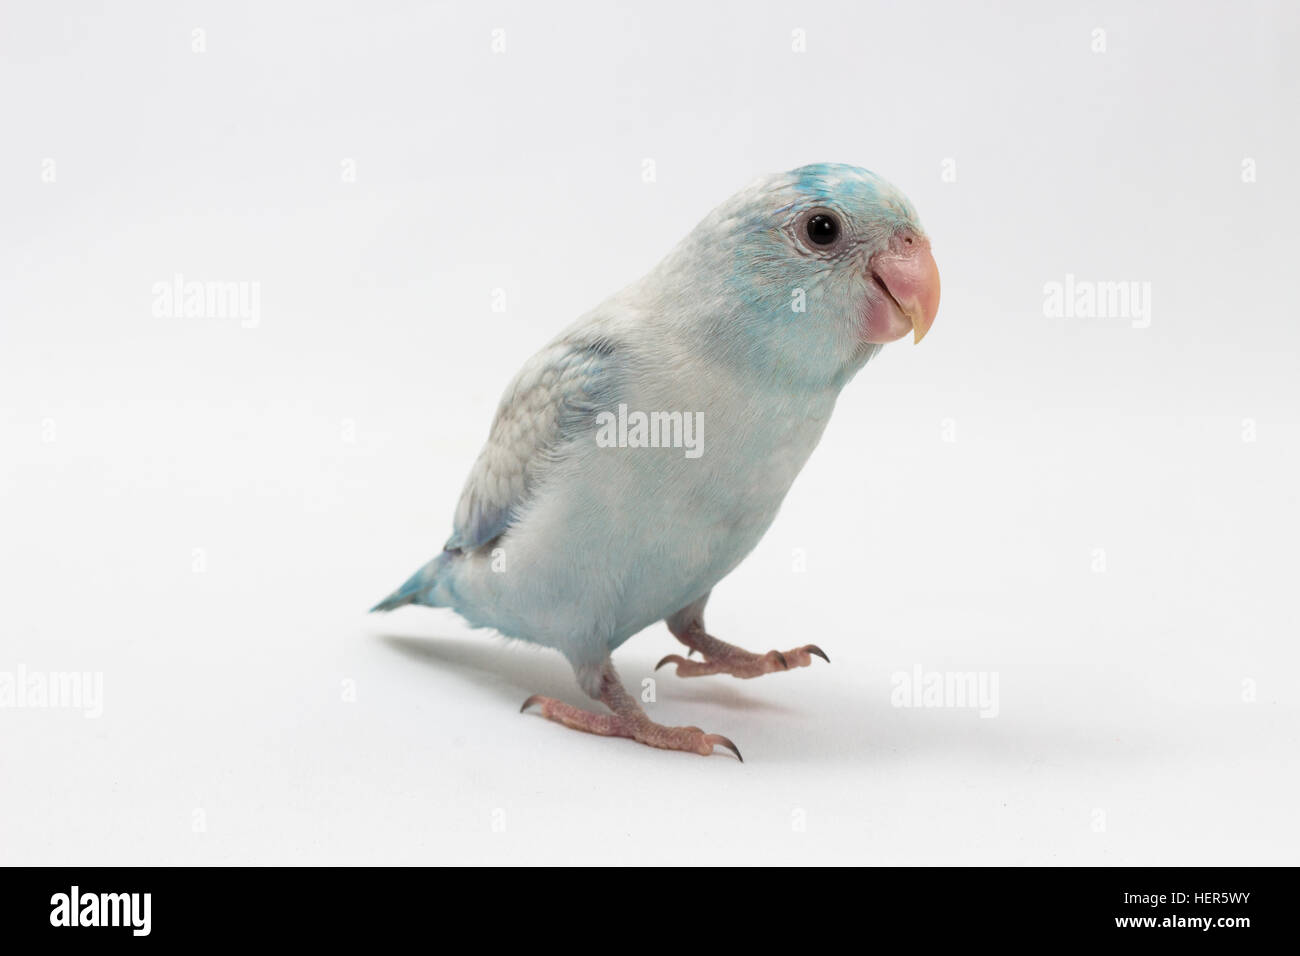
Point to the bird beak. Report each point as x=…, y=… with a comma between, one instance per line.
x=909, y=277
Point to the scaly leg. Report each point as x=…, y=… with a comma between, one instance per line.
x=627, y=720
x=687, y=625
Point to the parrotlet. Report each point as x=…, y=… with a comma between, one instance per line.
x=640, y=456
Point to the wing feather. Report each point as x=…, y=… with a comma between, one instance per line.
x=553, y=399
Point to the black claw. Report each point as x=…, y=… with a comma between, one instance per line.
x=814, y=649
x=667, y=659
x=529, y=702
x=733, y=748
x=781, y=657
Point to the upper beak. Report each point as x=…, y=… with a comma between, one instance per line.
x=910, y=275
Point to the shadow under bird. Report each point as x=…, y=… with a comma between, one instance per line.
x=581, y=524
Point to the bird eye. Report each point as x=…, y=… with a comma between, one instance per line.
x=823, y=229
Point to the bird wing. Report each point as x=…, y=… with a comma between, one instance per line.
x=554, y=398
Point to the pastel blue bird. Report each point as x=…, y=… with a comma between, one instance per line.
x=641, y=455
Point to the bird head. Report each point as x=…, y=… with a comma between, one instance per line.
x=813, y=270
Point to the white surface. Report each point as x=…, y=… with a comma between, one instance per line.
x=1120, y=692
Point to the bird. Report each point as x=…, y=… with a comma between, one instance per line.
x=636, y=459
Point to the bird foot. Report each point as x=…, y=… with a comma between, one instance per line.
x=631, y=722
x=725, y=659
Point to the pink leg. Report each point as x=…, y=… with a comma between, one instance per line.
x=628, y=720
x=687, y=625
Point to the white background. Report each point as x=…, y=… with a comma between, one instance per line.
x=1148, y=711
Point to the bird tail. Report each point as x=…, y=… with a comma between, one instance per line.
x=418, y=588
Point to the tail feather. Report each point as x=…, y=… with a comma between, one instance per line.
x=418, y=588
